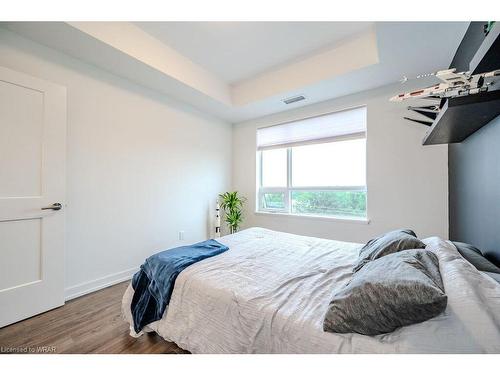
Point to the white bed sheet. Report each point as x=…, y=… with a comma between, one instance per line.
x=270, y=291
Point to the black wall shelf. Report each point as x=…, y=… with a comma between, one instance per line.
x=487, y=57
x=461, y=116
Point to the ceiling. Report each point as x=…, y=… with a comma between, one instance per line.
x=235, y=51
x=242, y=70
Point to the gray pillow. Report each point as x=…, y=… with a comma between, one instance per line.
x=474, y=256
x=394, y=291
x=388, y=243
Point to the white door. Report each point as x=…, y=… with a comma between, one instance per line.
x=32, y=177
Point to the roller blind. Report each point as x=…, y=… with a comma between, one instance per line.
x=331, y=126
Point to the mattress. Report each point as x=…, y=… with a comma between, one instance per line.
x=270, y=291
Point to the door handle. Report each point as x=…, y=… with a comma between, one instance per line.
x=54, y=206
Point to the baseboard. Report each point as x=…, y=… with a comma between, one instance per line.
x=100, y=283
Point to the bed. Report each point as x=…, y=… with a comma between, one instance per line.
x=270, y=291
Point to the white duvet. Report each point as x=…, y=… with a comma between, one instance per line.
x=269, y=292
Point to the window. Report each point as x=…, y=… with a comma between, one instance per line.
x=315, y=166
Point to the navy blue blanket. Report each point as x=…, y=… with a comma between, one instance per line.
x=154, y=283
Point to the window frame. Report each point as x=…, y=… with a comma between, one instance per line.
x=288, y=189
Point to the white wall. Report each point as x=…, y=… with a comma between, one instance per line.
x=407, y=183
x=140, y=167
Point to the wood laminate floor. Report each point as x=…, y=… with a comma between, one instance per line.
x=89, y=324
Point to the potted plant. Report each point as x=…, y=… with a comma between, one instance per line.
x=232, y=205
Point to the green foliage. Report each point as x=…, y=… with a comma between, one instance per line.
x=274, y=200
x=232, y=205
x=337, y=203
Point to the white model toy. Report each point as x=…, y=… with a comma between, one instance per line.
x=217, y=220
x=453, y=85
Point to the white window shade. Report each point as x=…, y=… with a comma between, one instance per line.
x=310, y=130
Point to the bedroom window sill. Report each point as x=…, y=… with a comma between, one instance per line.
x=316, y=217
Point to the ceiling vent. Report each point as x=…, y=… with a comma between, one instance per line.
x=294, y=99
